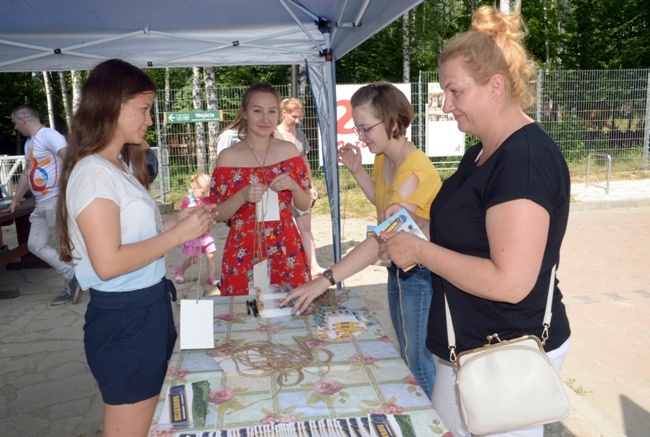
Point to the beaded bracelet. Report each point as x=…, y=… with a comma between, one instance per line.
x=417, y=251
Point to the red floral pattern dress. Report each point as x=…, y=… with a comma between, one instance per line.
x=281, y=242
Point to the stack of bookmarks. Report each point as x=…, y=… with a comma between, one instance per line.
x=339, y=323
x=186, y=406
x=373, y=425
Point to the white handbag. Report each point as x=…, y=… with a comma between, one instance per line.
x=508, y=384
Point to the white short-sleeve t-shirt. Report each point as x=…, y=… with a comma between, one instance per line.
x=43, y=162
x=92, y=178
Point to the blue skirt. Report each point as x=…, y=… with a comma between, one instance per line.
x=129, y=338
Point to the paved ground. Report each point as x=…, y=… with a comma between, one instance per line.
x=46, y=388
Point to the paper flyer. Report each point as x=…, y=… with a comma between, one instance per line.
x=400, y=221
x=269, y=299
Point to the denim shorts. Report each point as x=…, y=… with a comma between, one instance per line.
x=128, y=339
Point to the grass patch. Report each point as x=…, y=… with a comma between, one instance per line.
x=623, y=169
x=577, y=389
x=355, y=204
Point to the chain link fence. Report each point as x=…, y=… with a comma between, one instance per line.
x=585, y=111
x=588, y=111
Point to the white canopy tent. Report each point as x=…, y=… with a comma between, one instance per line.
x=53, y=35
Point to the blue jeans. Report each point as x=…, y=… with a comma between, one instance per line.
x=409, y=299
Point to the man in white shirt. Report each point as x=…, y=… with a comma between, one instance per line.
x=44, y=152
x=226, y=139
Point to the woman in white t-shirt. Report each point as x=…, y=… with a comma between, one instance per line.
x=112, y=232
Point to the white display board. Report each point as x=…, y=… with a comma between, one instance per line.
x=442, y=135
x=344, y=122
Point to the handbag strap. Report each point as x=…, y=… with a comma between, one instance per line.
x=546, y=323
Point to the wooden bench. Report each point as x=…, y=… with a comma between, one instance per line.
x=19, y=257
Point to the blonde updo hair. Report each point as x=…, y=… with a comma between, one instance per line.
x=493, y=46
x=291, y=103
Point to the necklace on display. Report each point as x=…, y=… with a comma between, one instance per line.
x=255, y=156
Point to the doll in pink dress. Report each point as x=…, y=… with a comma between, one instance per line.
x=199, y=192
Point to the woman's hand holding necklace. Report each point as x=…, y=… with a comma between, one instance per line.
x=284, y=182
x=193, y=222
x=301, y=198
x=253, y=192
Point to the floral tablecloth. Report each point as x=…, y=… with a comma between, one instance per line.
x=365, y=375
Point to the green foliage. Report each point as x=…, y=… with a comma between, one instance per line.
x=608, y=34
x=542, y=22
x=178, y=77
x=18, y=89
x=247, y=75
x=580, y=34
x=380, y=57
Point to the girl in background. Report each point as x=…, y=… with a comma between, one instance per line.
x=200, y=188
x=288, y=130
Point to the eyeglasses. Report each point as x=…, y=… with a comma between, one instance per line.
x=364, y=130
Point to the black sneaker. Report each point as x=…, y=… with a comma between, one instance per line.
x=64, y=297
x=75, y=290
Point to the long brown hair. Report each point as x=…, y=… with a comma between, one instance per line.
x=109, y=85
x=133, y=156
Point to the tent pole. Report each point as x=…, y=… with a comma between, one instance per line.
x=294, y=80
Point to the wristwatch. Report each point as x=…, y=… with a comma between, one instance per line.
x=329, y=276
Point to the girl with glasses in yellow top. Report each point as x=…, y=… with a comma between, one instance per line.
x=402, y=174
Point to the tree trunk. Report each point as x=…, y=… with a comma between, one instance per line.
x=201, y=166
x=302, y=82
x=76, y=89
x=213, y=105
x=406, y=48
x=163, y=153
x=167, y=89
x=564, y=16
x=66, y=100
x=510, y=6
x=48, y=95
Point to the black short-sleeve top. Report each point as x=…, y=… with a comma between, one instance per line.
x=527, y=165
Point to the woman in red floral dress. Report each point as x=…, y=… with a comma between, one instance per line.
x=243, y=173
